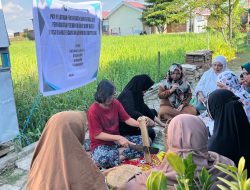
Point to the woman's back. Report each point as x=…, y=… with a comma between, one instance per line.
x=231, y=127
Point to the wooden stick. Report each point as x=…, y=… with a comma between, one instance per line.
x=145, y=138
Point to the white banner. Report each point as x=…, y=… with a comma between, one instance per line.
x=8, y=118
x=68, y=37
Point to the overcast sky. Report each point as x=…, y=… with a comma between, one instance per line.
x=18, y=13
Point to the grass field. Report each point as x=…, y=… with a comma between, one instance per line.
x=121, y=59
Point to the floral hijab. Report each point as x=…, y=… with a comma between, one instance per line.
x=182, y=91
x=232, y=83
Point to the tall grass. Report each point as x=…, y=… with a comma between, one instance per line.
x=121, y=59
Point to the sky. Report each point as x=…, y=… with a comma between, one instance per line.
x=18, y=13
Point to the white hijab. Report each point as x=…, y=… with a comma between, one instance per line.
x=207, y=83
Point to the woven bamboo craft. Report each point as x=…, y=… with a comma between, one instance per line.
x=121, y=175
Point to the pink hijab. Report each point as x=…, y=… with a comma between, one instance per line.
x=186, y=134
x=60, y=161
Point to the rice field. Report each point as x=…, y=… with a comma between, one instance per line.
x=121, y=59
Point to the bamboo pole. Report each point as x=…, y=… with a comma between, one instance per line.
x=145, y=138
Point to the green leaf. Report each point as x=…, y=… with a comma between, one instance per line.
x=226, y=172
x=204, y=179
x=232, y=169
x=156, y=181
x=244, y=176
x=189, y=167
x=247, y=185
x=176, y=163
x=232, y=185
x=222, y=187
x=241, y=165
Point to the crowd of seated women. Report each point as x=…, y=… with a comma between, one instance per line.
x=61, y=162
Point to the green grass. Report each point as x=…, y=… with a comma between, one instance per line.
x=121, y=59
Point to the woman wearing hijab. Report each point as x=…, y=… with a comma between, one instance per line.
x=108, y=147
x=228, y=80
x=207, y=83
x=231, y=127
x=132, y=100
x=60, y=161
x=186, y=134
x=246, y=75
x=175, y=94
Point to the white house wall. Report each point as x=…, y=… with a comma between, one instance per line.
x=199, y=24
x=127, y=19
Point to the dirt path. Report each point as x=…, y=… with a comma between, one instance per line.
x=240, y=59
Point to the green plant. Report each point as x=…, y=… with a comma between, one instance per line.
x=238, y=175
x=185, y=169
x=204, y=179
x=156, y=181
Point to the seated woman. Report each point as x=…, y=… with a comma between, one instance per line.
x=132, y=100
x=207, y=83
x=60, y=161
x=103, y=119
x=231, y=127
x=228, y=80
x=175, y=94
x=246, y=75
x=186, y=134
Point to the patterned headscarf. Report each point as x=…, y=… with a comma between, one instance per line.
x=182, y=92
x=172, y=68
x=231, y=81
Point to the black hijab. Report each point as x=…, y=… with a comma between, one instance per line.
x=132, y=95
x=231, y=127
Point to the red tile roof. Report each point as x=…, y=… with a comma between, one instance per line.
x=202, y=12
x=105, y=14
x=136, y=4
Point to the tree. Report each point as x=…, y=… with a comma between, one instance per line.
x=225, y=16
x=155, y=15
x=159, y=13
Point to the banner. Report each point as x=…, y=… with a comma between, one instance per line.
x=68, y=37
x=8, y=117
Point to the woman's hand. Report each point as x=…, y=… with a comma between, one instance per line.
x=123, y=141
x=201, y=97
x=174, y=87
x=222, y=86
x=162, y=124
x=150, y=122
x=157, y=120
x=180, y=107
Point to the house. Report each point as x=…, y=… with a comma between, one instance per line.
x=124, y=19
x=199, y=21
x=245, y=3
